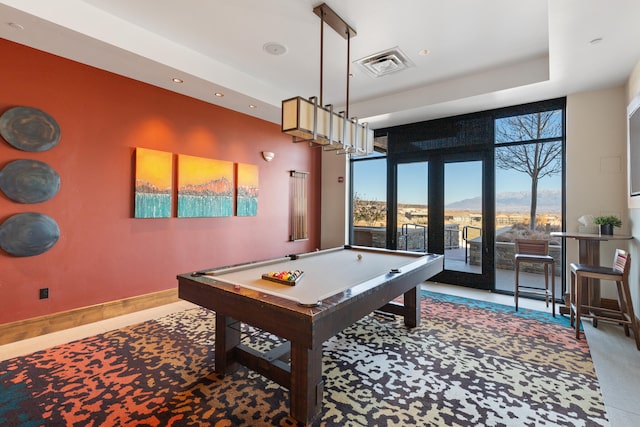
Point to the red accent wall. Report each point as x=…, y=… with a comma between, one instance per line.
x=103, y=253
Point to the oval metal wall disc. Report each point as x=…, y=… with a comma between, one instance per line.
x=29, y=129
x=28, y=234
x=29, y=181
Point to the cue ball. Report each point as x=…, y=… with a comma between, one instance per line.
x=359, y=257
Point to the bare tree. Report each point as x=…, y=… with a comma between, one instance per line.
x=539, y=159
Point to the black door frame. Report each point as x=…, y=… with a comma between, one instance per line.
x=449, y=136
x=436, y=161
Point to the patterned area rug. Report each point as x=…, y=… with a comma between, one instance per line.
x=470, y=363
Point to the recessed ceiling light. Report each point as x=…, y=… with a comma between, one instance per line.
x=219, y=94
x=595, y=41
x=274, y=48
x=15, y=26
x=423, y=52
x=252, y=106
x=177, y=80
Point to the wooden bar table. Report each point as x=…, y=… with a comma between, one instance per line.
x=588, y=253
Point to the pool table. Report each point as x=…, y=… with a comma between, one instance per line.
x=337, y=288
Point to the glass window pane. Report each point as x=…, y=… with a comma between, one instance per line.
x=528, y=206
x=370, y=203
x=412, y=209
x=529, y=127
x=463, y=216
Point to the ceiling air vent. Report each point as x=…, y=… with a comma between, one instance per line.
x=386, y=62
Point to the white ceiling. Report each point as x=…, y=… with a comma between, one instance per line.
x=483, y=54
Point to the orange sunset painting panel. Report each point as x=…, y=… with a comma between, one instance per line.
x=205, y=187
x=247, y=199
x=154, y=183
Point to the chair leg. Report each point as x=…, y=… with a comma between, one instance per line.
x=515, y=293
x=589, y=293
x=577, y=302
x=553, y=290
x=623, y=307
x=630, y=312
x=546, y=284
x=572, y=293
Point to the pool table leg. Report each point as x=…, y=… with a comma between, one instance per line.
x=412, y=307
x=307, y=386
x=227, y=338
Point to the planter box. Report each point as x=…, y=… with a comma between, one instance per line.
x=376, y=237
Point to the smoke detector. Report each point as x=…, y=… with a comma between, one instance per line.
x=386, y=62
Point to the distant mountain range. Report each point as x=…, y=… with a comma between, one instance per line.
x=143, y=186
x=549, y=201
x=217, y=187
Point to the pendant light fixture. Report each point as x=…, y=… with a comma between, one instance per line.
x=308, y=120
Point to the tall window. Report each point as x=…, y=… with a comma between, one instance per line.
x=528, y=158
x=369, y=200
x=528, y=169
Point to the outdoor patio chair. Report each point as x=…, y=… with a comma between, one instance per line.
x=535, y=252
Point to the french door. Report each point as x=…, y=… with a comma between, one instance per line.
x=443, y=203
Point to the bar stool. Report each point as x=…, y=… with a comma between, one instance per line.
x=535, y=252
x=581, y=294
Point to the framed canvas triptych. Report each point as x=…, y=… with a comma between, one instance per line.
x=205, y=187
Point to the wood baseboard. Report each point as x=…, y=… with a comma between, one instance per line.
x=36, y=326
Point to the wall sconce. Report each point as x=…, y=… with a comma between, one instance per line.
x=268, y=155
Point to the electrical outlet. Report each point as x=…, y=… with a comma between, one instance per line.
x=44, y=293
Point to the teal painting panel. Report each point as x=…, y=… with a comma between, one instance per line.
x=247, y=206
x=190, y=206
x=152, y=205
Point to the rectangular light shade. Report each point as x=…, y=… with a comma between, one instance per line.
x=360, y=138
x=300, y=117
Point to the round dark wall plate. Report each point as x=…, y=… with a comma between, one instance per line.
x=29, y=129
x=29, y=181
x=28, y=234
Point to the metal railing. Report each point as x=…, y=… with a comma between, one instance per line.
x=465, y=238
x=404, y=234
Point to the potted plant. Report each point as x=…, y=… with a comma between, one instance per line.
x=607, y=222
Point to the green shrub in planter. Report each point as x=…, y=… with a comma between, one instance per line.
x=608, y=219
x=607, y=222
